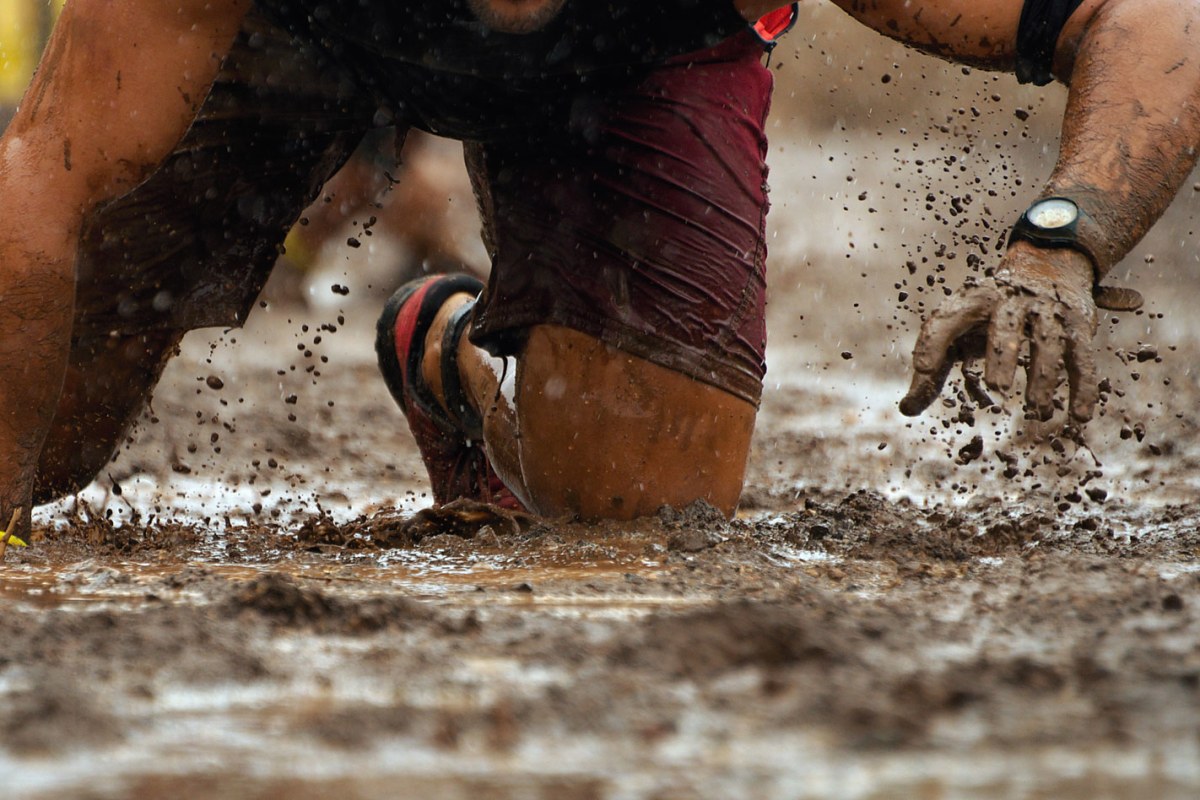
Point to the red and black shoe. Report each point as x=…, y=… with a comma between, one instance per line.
x=451, y=445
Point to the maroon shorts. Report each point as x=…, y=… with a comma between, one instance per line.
x=641, y=223
x=631, y=210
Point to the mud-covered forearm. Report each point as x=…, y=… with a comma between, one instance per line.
x=981, y=33
x=1132, y=123
x=1129, y=140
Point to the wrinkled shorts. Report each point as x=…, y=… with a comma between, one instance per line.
x=643, y=224
x=630, y=210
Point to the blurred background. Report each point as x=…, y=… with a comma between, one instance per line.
x=885, y=159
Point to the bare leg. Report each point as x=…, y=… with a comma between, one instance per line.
x=115, y=91
x=597, y=432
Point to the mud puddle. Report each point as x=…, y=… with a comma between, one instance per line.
x=438, y=577
x=878, y=622
x=857, y=647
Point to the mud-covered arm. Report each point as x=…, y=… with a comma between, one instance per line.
x=1129, y=139
x=752, y=10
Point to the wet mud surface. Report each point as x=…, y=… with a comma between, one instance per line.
x=904, y=621
x=252, y=601
x=846, y=646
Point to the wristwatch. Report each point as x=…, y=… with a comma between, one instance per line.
x=1051, y=222
x=1059, y=222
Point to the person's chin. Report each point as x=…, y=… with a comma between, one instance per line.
x=516, y=16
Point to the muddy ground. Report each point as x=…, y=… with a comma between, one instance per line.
x=252, y=601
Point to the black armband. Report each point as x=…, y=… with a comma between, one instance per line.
x=1042, y=22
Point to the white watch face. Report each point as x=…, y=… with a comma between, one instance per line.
x=1052, y=214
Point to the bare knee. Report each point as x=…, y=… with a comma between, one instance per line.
x=604, y=434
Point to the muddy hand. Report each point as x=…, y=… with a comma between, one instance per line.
x=1043, y=297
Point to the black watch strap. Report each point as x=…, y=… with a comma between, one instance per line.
x=1059, y=222
x=1055, y=222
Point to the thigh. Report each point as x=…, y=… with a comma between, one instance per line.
x=640, y=221
x=192, y=244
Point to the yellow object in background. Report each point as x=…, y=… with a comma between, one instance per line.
x=15, y=541
x=24, y=25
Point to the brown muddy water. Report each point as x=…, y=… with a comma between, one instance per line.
x=252, y=603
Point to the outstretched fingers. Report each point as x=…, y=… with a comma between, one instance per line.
x=938, y=345
x=1046, y=349
x=1006, y=332
x=1040, y=297
x=1081, y=367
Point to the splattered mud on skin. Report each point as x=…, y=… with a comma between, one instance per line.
x=954, y=605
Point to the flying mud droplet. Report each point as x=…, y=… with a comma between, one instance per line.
x=971, y=451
